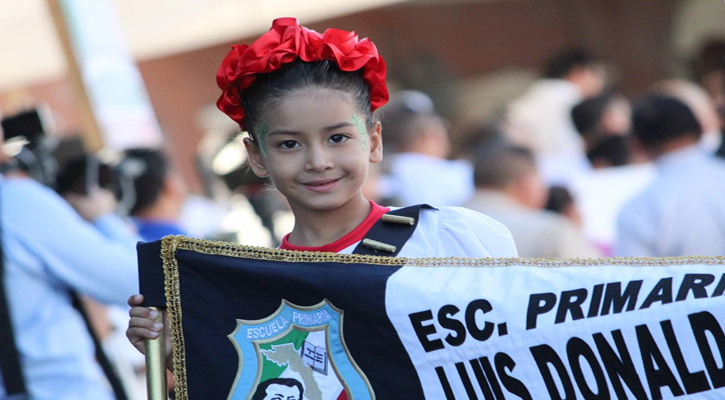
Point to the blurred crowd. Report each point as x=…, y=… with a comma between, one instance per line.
x=574, y=168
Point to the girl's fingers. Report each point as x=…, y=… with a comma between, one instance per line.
x=143, y=312
x=143, y=328
x=136, y=334
x=135, y=300
x=145, y=323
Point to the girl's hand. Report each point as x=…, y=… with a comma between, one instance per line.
x=143, y=325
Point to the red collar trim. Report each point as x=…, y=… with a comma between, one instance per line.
x=346, y=241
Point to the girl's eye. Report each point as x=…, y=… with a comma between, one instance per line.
x=338, y=138
x=288, y=144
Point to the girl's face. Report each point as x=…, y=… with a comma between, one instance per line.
x=316, y=150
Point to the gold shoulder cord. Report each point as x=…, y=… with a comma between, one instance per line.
x=171, y=244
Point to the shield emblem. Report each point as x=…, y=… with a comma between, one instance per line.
x=296, y=353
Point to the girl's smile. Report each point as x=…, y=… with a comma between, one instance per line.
x=322, y=185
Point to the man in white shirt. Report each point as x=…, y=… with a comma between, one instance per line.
x=49, y=251
x=540, y=119
x=682, y=212
x=510, y=190
x=419, y=168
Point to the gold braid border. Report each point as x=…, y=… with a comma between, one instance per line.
x=171, y=244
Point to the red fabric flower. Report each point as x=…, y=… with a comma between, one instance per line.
x=285, y=42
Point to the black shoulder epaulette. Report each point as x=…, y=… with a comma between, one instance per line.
x=390, y=233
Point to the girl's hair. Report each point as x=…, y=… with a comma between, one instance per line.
x=270, y=88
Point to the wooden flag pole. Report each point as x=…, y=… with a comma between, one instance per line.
x=156, y=386
x=89, y=125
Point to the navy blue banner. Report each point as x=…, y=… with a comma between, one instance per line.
x=253, y=323
x=216, y=291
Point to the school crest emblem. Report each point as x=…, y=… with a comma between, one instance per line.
x=298, y=352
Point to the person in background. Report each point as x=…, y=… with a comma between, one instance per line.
x=604, y=124
x=540, y=119
x=158, y=193
x=53, y=256
x=510, y=190
x=700, y=103
x=682, y=212
x=619, y=166
x=561, y=201
x=418, y=170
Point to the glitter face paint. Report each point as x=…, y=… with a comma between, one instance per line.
x=262, y=136
x=360, y=125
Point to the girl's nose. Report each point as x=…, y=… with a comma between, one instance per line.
x=318, y=159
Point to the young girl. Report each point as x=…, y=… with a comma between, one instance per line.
x=307, y=102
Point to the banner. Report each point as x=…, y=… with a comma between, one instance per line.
x=110, y=76
x=250, y=322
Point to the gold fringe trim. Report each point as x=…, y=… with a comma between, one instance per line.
x=264, y=253
x=171, y=244
x=564, y=262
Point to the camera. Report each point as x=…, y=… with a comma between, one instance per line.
x=61, y=164
x=35, y=157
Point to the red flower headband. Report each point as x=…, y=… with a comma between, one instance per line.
x=285, y=42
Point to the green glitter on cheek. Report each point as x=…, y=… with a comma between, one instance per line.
x=360, y=125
